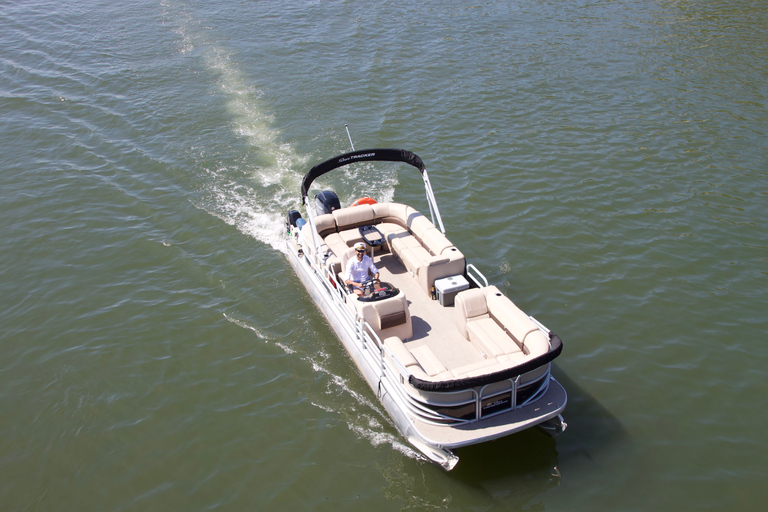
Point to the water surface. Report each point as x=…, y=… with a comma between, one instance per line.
x=603, y=163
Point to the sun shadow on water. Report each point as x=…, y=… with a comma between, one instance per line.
x=511, y=472
x=515, y=468
x=592, y=429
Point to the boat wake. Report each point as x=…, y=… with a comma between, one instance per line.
x=246, y=325
x=366, y=424
x=251, y=192
x=254, y=192
x=254, y=187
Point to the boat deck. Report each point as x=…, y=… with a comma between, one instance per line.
x=433, y=325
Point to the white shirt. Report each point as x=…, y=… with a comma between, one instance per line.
x=357, y=271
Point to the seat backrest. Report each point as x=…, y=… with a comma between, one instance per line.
x=418, y=224
x=400, y=351
x=469, y=304
x=396, y=213
x=325, y=224
x=345, y=256
x=353, y=217
x=435, y=242
x=389, y=317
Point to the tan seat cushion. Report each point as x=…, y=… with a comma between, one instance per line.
x=428, y=360
x=400, y=351
x=402, y=241
x=516, y=322
x=339, y=248
x=492, y=366
x=395, y=213
x=435, y=241
x=388, y=317
x=469, y=304
x=353, y=217
x=487, y=335
x=351, y=236
x=413, y=257
x=419, y=225
x=325, y=224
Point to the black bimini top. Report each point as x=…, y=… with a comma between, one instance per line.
x=386, y=155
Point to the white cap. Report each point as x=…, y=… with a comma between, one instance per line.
x=359, y=246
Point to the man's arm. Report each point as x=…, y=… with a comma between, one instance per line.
x=372, y=268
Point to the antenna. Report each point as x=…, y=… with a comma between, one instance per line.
x=350, y=137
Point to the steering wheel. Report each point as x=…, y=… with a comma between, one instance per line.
x=369, y=285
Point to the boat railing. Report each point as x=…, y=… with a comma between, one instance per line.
x=540, y=326
x=341, y=286
x=436, y=412
x=368, y=329
x=432, y=202
x=487, y=401
x=476, y=278
x=541, y=390
x=433, y=411
x=430, y=411
x=399, y=366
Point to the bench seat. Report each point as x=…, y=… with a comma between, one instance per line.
x=496, y=326
x=491, y=338
x=423, y=249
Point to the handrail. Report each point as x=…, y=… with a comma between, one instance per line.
x=539, y=325
x=425, y=412
x=480, y=274
x=374, y=337
x=543, y=388
x=392, y=357
x=432, y=202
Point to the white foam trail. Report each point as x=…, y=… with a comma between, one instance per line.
x=246, y=325
x=260, y=213
x=240, y=207
x=377, y=438
x=364, y=425
x=257, y=213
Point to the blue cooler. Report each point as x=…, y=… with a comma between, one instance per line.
x=448, y=287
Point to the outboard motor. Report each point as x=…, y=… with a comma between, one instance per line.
x=326, y=201
x=293, y=216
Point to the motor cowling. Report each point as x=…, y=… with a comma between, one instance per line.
x=326, y=201
x=293, y=216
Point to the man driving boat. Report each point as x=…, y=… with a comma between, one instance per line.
x=358, y=268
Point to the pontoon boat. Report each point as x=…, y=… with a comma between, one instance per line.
x=453, y=360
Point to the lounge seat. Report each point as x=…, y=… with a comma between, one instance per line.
x=491, y=338
x=496, y=326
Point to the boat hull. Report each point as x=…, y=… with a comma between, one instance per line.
x=436, y=442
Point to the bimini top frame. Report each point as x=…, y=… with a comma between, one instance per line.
x=380, y=154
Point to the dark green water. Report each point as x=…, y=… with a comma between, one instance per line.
x=605, y=163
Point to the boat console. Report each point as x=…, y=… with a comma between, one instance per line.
x=375, y=290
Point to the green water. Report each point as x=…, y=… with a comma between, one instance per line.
x=604, y=163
